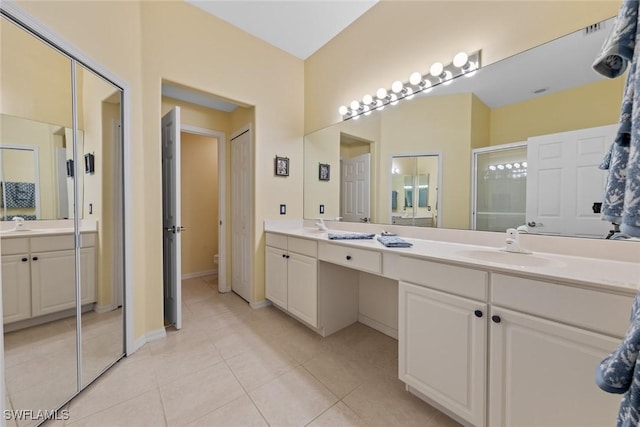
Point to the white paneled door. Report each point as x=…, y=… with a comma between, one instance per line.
x=563, y=181
x=171, y=227
x=355, y=188
x=241, y=214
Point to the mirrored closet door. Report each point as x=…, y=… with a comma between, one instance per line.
x=61, y=223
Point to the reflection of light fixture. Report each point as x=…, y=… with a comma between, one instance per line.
x=500, y=167
x=439, y=73
x=516, y=165
x=395, y=170
x=524, y=164
x=508, y=166
x=492, y=167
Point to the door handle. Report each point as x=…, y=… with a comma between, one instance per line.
x=170, y=229
x=534, y=224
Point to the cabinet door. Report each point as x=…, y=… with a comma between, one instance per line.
x=16, y=288
x=276, y=276
x=543, y=374
x=53, y=285
x=88, y=275
x=303, y=287
x=442, y=349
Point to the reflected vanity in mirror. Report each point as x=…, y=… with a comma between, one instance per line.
x=519, y=101
x=62, y=270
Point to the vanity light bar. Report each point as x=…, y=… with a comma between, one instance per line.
x=462, y=64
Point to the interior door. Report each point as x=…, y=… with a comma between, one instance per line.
x=355, y=188
x=563, y=181
x=171, y=227
x=241, y=218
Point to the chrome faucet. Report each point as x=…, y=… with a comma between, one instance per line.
x=321, y=225
x=513, y=241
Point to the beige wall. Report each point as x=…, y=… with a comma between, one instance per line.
x=596, y=104
x=199, y=188
x=396, y=38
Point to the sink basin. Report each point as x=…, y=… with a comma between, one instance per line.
x=509, y=258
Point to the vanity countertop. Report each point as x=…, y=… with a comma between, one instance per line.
x=38, y=232
x=588, y=272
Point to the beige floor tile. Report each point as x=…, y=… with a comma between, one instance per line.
x=141, y=411
x=239, y=413
x=255, y=368
x=442, y=420
x=338, y=373
x=293, y=399
x=186, y=360
x=197, y=394
x=129, y=378
x=386, y=403
x=339, y=415
x=231, y=343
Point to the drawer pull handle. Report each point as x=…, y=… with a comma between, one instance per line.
x=496, y=319
x=348, y=257
x=25, y=259
x=35, y=258
x=478, y=313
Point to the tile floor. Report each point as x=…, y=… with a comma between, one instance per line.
x=233, y=366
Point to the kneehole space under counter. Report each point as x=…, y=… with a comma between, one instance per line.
x=488, y=343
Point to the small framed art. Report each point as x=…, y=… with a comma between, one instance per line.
x=324, y=171
x=282, y=166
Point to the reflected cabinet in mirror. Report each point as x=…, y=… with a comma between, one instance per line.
x=548, y=101
x=62, y=228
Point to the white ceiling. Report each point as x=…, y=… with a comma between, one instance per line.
x=299, y=27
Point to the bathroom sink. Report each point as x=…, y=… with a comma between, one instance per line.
x=509, y=258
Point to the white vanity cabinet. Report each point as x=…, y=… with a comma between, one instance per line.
x=546, y=340
x=291, y=276
x=38, y=274
x=442, y=337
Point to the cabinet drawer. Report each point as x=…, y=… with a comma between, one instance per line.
x=14, y=246
x=456, y=280
x=303, y=246
x=359, y=259
x=277, y=241
x=598, y=311
x=52, y=243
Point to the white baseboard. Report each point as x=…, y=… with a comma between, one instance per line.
x=104, y=308
x=199, y=274
x=148, y=337
x=260, y=304
x=381, y=327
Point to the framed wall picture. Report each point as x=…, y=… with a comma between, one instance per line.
x=282, y=166
x=324, y=172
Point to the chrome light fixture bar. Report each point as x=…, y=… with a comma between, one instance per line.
x=463, y=64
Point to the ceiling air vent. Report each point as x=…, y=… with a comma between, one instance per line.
x=593, y=28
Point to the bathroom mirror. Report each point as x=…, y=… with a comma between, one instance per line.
x=52, y=183
x=62, y=293
x=545, y=90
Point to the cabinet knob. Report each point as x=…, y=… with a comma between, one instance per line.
x=348, y=257
x=288, y=256
x=478, y=313
x=284, y=255
x=25, y=259
x=35, y=258
x=496, y=319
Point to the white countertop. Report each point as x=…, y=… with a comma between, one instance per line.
x=37, y=232
x=590, y=272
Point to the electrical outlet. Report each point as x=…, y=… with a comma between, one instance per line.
x=283, y=209
x=321, y=209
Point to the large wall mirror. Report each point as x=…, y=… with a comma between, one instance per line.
x=61, y=172
x=546, y=92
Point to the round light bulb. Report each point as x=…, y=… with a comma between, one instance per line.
x=524, y=164
x=393, y=100
x=381, y=93
x=366, y=110
x=436, y=69
x=354, y=105
x=367, y=99
x=343, y=110
x=448, y=78
x=355, y=117
x=397, y=86
x=460, y=60
x=415, y=78
x=379, y=105
x=427, y=86
x=409, y=93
